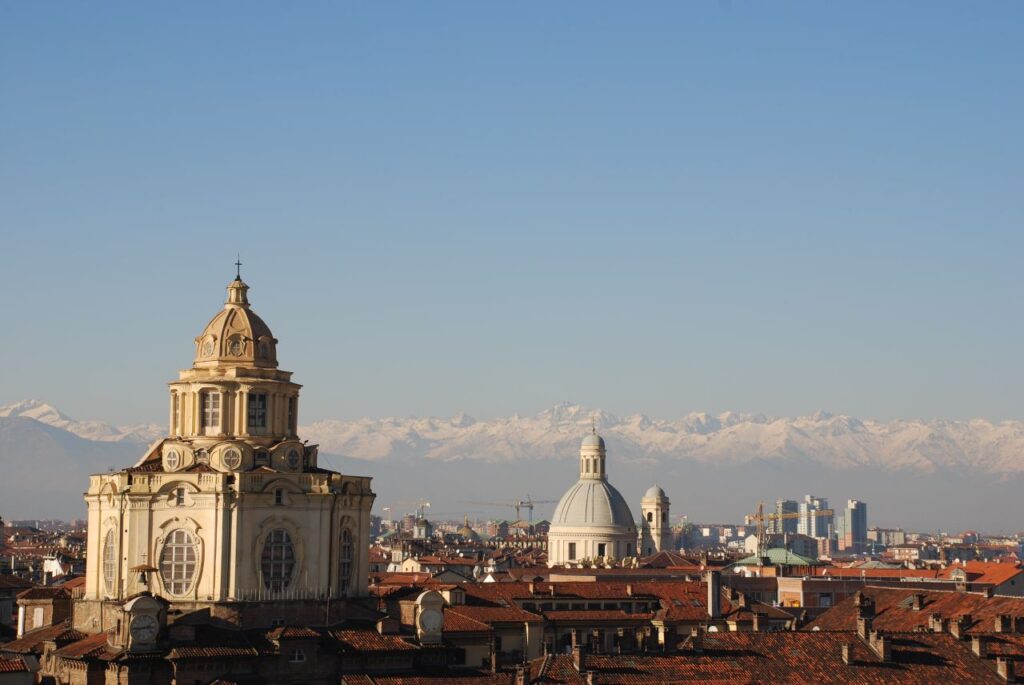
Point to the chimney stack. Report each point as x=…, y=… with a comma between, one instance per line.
x=864, y=627
x=979, y=646
x=958, y=628
x=714, y=581
x=1004, y=667
x=917, y=602
x=697, y=640
x=847, y=649
x=579, y=659
x=1003, y=624
x=760, y=622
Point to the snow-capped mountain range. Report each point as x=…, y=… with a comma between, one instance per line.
x=88, y=430
x=832, y=441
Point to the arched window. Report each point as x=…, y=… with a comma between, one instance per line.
x=588, y=466
x=650, y=517
x=345, y=568
x=109, y=562
x=278, y=560
x=178, y=562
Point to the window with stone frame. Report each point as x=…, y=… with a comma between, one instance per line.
x=178, y=561
x=278, y=560
x=109, y=561
x=345, y=566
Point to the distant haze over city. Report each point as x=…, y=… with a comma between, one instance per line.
x=913, y=473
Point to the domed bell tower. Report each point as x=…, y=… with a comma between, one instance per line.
x=656, y=527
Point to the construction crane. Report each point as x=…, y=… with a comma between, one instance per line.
x=760, y=517
x=518, y=505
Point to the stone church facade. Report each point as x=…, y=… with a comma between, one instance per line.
x=230, y=514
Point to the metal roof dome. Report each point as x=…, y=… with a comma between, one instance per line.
x=592, y=502
x=593, y=440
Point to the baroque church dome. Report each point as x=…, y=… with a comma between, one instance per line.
x=592, y=520
x=592, y=503
x=236, y=335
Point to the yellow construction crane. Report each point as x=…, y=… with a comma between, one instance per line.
x=760, y=517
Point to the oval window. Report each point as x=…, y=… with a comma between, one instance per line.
x=293, y=459
x=278, y=560
x=172, y=459
x=178, y=562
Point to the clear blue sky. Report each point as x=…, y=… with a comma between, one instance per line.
x=493, y=207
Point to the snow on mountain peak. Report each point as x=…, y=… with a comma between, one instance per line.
x=42, y=412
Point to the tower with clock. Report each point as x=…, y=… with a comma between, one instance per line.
x=231, y=512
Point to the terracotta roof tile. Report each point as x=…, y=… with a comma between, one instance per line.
x=370, y=641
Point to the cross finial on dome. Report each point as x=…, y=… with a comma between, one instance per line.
x=593, y=425
x=238, y=267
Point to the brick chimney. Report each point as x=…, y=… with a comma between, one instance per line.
x=579, y=658
x=880, y=645
x=697, y=640
x=958, y=628
x=864, y=627
x=936, y=624
x=979, y=646
x=1004, y=624
x=847, y=652
x=865, y=605
x=1004, y=667
x=917, y=601
x=714, y=581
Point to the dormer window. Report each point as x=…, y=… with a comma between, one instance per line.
x=179, y=497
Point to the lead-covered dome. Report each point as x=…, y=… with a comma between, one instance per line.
x=592, y=503
x=236, y=335
x=654, y=492
x=593, y=440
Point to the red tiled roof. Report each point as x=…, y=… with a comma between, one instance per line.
x=784, y=657
x=13, y=665
x=492, y=615
x=894, y=611
x=596, y=615
x=45, y=593
x=370, y=641
x=455, y=622
x=985, y=572
x=293, y=633
x=32, y=641
x=91, y=646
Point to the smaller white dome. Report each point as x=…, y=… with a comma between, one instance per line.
x=654, y=492
x=593, y=440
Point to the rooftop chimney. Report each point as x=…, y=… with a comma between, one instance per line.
x=864, y=627
x=936, y=623
x=579, y=658
x=1004, y=667
x=865, y=605
x=847, y=649
x=979, y=646
x=714, y=581
x=958, y=628
x=697, y=640
x=917, y=602
x=1004, y=624
x=760, y=622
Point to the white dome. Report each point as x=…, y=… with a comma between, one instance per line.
x=593, y=440
x=592, y=502
x=654, y=492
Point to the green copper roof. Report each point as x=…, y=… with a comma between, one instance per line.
x=777, y=556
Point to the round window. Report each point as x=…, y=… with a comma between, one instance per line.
x=293, y=459
x=172, y=459
x=232, y=458
x=208, y=348
x=202, y=457
x=235, y=347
